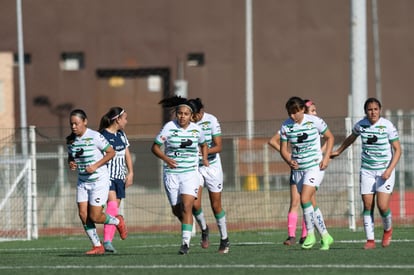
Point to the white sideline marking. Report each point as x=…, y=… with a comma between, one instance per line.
x=174, y=245
x=251, y=266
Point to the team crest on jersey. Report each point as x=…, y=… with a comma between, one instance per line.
x=381, y=129
x=309, y=125
x=194, y=133
x=88, y=141
x=205, y=125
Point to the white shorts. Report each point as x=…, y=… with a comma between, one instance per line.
x=212, y=177
x=371, y=182
x=95, y=193
x=312, y=177
x=177, y=184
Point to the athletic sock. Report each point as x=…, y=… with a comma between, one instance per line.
x=221, y=224
x=201, y=220
x=320, y=222
x=111, y=220
x=308, y=212
x=292, y=221
x=109, y=229
x=186, y=230
x=369, y=224
x=387, y=220
x=304, y=231
x=92, y=234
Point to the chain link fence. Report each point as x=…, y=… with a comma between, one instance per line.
x=256, y=184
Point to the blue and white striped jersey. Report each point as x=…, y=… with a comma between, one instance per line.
x=117, y=166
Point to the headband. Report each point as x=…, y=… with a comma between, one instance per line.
x=309, y=103
x=118, y=115
x=186, y=105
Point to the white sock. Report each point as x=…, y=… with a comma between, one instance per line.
x=387, y=220
x=93, y=236
x=309, y=214
x=320, y=222
x=221, y=224
x=201, y=220
x=186, y=231
x=369, y=225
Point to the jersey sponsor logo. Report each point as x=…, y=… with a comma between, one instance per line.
x=79, y=153
x=302, y=137
x=186, y=143
x=372, y=139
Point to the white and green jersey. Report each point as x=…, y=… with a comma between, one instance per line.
x=87, y=150
x=376, y=142
x=304, y=139
x=211, y=128
x=182, y=145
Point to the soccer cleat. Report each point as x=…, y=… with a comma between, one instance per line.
x=96, y=250
x=370, y=244
x=302, y=240
x=224, y=246
x=386, y=238
x=109, y=247
x=184, y=249
x=122, y=229
x=326, y=242
x=290, y=241
x=309, y=241
x=204, y=238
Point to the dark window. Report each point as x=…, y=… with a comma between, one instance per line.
x=27, y=58
x=72, y=61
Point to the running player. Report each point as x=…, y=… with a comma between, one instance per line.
x=121, y=170
x=181, y=139
x=88, y=153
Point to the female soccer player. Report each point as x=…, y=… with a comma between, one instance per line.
x=181, y=139
x=302, y=132
x=121, y=170
x=381, y=151
x=211, y=176
x=88, y=153
x=274, y=142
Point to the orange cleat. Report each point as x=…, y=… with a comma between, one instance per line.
x=386, y=238
x=370, y=244
x=122, y=229
x=96, y=250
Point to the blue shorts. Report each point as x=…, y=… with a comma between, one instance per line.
x=118, y=186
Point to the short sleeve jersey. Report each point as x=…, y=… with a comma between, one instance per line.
x=304, y=139
x=376, y=142
x=182, y=145
x=87, y=150
x=211, y=128
x=117, y=166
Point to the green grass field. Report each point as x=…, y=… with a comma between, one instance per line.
x=251, y=252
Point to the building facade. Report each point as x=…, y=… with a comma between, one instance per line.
x=99, y=53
